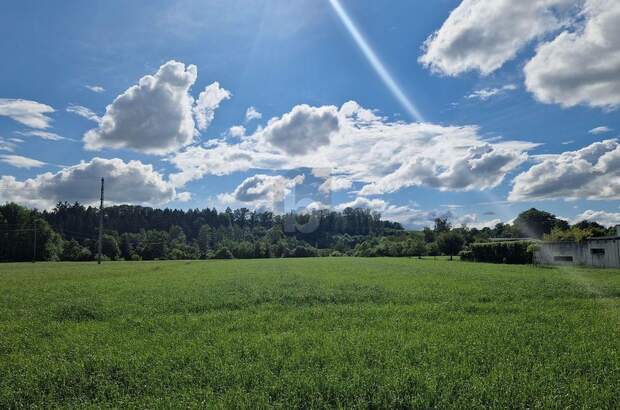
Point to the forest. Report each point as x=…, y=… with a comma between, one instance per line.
x=69, y=232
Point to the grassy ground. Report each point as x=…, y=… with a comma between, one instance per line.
x=330, y=332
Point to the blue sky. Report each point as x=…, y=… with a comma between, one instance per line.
x=501, y=128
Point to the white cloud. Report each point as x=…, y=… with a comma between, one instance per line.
x=407, y=216
x=481, y=167
x=600, y=130
x=412, y=217
x=602, y=217
x=252, y=114
x=385, y=156
x=591, y=172
x=335, y=184
x=95, y=88
x=581, y=66
x=21, y=162
x=237, y=131
x=29, y=113
x=183, y=196
x=7, y=145
x=208, y=101
x=262, y=191
x=46, y=135
x=126, y=183
x=484, y=34
x=220, y=158
x=84, y=112
x=486, y=93
x=473, y=221
x=302, y=130
x=156, y=116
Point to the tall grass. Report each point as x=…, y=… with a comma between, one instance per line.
x=310, y=333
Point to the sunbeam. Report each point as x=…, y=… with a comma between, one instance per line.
x=374, y=61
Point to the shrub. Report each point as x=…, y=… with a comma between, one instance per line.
x=466, y=255
x=222, y=253
x=303, y=252
x=518, y=252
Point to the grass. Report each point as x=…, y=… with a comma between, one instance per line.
x=311, y=333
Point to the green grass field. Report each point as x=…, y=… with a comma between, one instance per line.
x=312, y=333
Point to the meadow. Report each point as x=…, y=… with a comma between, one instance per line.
x=308, y=333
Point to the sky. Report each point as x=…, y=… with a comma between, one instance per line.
x=473, y=110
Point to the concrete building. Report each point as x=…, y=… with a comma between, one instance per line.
x=603, y=252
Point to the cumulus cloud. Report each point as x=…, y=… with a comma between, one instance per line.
x=474, y=221
x=262, y=191
x=408, y=216
x=385, y=156
x=21, y=162
x=484, y=34
x=600, y=130
x=237, y=131
x=486, y=93
x=602, y=217
x=183, y=196
x=335, y=184
x=581, y=66
x=302, y=130
x=29, y=113
x=591, y=173
x=84, y=112
x=252, y=114
x=208, y=101
x=482, y=167
x=95, y=88
x=126, y=183
x=156, y=116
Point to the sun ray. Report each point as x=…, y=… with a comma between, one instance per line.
x=375, y=62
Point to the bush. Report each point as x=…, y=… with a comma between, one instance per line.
x=73, y=251
x=518, y=252
x=303, y=252
x=222, y=253
x=466, y=255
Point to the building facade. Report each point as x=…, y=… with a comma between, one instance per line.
x=603, y=252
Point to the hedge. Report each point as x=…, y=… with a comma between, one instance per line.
x=518, y=252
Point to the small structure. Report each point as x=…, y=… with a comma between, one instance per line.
x=603, y=252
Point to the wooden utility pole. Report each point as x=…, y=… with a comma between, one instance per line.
x=100, y=226
x=34, y=246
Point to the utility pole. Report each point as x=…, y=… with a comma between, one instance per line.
x=100, y=226
x=34, y=247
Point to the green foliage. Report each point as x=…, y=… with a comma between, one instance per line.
x=535, y=224
x=442, y=225
x=17, y=236
x=432, y=249
x=513, y=252
x=155, y=245
x=205, y=239
x=73, y=251
x=109, y=247
x=308, y=333
x=466, y=255
x=450, y=243
x=222, y=253
x=574, y=234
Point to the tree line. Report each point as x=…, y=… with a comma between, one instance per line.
x=69, y=232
